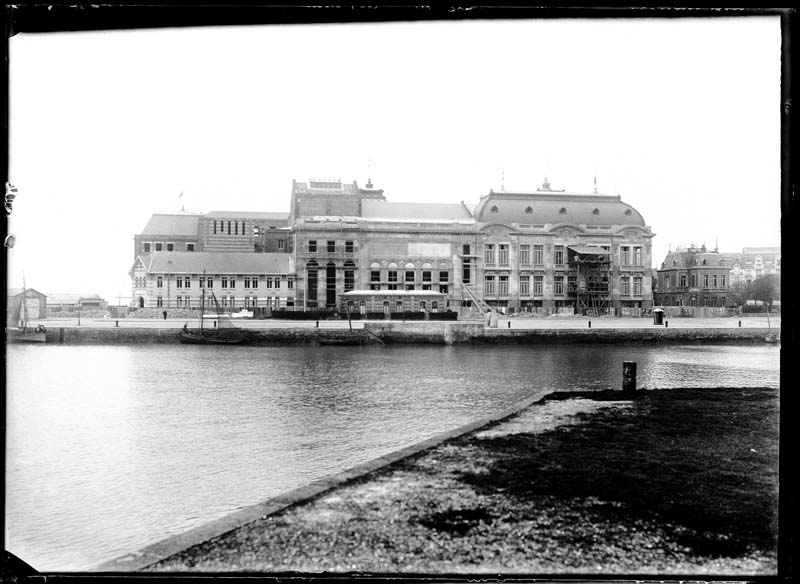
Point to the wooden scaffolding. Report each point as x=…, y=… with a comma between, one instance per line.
x=591, y=286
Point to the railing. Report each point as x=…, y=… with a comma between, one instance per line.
x=483, y=308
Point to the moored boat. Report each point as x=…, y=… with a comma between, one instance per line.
x=223, y=332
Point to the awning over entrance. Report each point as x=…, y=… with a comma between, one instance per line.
x=588, y=250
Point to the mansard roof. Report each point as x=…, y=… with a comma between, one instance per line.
x=551, y=207
x=376, y=210
x=195, y=262
x=171, y=224
x=695, y=258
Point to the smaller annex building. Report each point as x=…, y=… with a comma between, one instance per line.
x=387, y=302
x=239, y=280
x=694, y=276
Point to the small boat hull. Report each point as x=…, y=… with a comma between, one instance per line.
x=16, y=336
x=211, y=338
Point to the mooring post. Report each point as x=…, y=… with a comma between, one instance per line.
x=509, y=324
x=666, y=324
x=116, y=323
x=590, y=324
x=740, y=324
x=629, y=376
x=317, y=325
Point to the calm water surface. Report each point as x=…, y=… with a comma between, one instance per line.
x=109, y=449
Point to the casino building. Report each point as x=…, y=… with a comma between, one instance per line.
x=545, y=251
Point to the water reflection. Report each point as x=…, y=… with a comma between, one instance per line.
x=112, y=448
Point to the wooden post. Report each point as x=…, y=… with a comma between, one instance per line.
x=590, y=324
x=629, y=376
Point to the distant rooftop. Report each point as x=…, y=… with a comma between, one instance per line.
x=218, y=262
x=248, y=215
x=171, y=224
x=376, y=210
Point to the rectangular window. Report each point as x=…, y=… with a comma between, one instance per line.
x=392, y=276
x=705, y=280
x=159, y=301
x=232, y=281
x=391, y=286
x=488, y=286
x=524, y=285
x=525, y=255
x=426, y=276
x=348, y=247
x=179, y=301
x=409, y=277
x=189, y=247
x=538, y=255
x=625, y=256
x=559, y=255
x=488, y=254
x=637, y=286
x=215, y=226
x=312, y=246
x=714, y=281
x=503, y=288
x=146, y=247
x=426, y=286
x=572, y=284
x=443, y=289
x=229, y=227
x=290, y=283
x=722, y=282
x=349, y=280
x=625, y=286
x=538, y=285
x=503, y=254
x=331, y=247
x=179, y=282
x=269, y=282
x=159, y=282
x=281, y=245
x=236, y=228
x=409, y=286
x=375, y=276
x=444, y=276
x=465, y=249
x=209, y=282
x=693, y=280
x=637, y=256
x=558, y=285
x=159, y=246
x=224, y=281
x=187, y=282
x=683, y=280
x=170, y=246
x=246, y=282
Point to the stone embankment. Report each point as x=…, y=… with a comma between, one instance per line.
x=439, y=333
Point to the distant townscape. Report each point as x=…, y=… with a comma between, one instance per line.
x=342, y=247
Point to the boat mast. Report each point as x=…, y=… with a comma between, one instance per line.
x=202, y=299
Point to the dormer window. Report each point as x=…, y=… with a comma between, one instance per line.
x=493, y=209
x=563, y=210
x=529, y=210
x=596, y=211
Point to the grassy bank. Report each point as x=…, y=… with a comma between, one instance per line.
x=673, y=482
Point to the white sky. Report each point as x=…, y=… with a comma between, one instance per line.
x=679, y=116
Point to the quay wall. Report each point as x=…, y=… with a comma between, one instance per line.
x=439, y=333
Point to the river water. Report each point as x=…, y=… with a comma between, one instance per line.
x=109, y=449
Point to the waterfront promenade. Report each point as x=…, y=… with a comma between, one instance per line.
x=517, y=323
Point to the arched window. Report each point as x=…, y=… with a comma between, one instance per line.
x=409, y=266
x=426, y=266
x=392, y=266
x=349, y=264
x=595, y=211
x=563, y=210
x=375, y=266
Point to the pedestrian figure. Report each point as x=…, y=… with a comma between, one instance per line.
x=165, y=315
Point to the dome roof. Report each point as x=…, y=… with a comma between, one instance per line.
x=556, y=207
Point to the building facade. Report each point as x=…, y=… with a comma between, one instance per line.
x=695, y=276
x=544, y=250
x=239, y=280
x=753, y=263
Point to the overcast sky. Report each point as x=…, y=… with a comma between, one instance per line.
x=681, y=117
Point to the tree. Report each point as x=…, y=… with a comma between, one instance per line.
x=765, y=289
